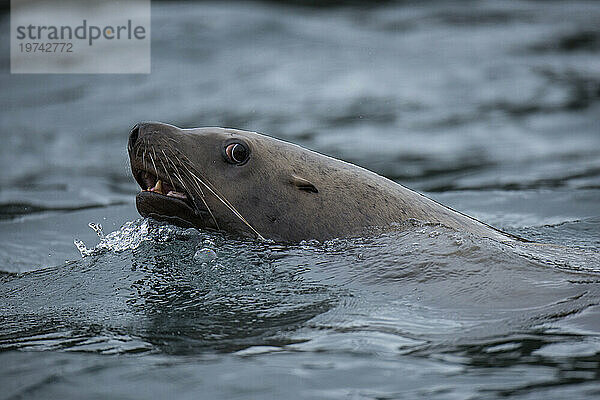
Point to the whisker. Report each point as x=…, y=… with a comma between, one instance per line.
x=227, y=204
x=201, y=181
x=167, y=174
x=152, y=159
x=201, y=192
x=165, y=168
x=178, y=176
x=195, y=180
x=154, y=152
x=181, y=180
x=202, y=197
x=175, y=171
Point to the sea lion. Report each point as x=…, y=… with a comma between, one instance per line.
x=251, y=184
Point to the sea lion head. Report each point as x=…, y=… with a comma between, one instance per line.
x=230, y=180
x=255, y=185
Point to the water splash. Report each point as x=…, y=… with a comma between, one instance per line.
x=83, y=250
x=97, y=228
x=129, y=236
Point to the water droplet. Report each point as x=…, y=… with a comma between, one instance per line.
x=204, y=255
x=84, y=251
x=96, y=228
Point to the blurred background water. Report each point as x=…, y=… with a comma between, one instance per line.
x=490, y=107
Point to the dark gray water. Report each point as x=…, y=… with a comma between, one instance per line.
x=492, y=108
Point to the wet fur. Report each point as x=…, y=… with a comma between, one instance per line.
x=284, y=192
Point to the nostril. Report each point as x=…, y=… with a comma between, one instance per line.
x=133, y=135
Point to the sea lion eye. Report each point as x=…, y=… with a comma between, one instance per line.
x=237, y=153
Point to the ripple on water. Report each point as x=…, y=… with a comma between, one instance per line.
x=153, y=287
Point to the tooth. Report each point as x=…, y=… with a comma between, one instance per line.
x=158, y=187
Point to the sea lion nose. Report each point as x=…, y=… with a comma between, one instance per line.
x=142, y=129
x=147, y=129
x=133, y=136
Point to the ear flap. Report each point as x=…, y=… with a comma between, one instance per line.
x=303, y=184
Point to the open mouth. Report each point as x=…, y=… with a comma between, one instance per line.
x=165, y=197
x=155, y=185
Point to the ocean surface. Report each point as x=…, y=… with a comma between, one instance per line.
x=492, y=108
